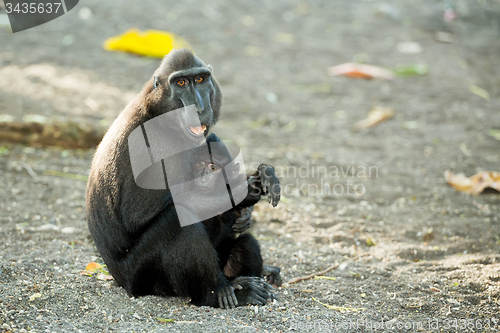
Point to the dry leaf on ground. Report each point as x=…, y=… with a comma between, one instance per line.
x=98, y=270
x=104, y=277
x=361, y=71
x=474, y=184
x=376, y=115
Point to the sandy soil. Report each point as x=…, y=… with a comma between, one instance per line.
x=411, y=249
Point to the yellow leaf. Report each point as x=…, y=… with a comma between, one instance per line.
x=153, y=43
x=93, y=267
x=479, y=91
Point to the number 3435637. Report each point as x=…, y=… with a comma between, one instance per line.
x=32, y=8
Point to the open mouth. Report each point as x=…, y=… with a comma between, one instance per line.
x=198, y=130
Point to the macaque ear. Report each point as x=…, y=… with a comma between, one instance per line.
x=155, y=82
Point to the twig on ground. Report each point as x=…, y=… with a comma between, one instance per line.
x=323, y=272
x=339, y=308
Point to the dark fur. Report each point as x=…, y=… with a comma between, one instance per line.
x=137, y=231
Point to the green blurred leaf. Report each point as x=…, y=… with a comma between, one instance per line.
x=494, y=133
x=480, y=92
x=411, y=70
x=164, y=320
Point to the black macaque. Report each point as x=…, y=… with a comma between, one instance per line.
x=137, y=230
x=238, y=256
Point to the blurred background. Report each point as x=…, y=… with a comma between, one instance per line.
x=282, y=107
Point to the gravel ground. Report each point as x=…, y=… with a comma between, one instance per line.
x=411, y=250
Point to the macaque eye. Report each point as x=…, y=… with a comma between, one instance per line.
x=212, y=167
x=181, y=82
x=201, y=165
x=198, y=79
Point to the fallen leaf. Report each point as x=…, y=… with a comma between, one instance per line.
x=376, y=115
x=104, y=277
x=411, y=70
x=97, y=270
x=164, y=320
x=479, y=91
x=361, y=71
x=93, y=267
x=494, y=133
x=153, y=43
x=474, y=184
x=465, y=150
